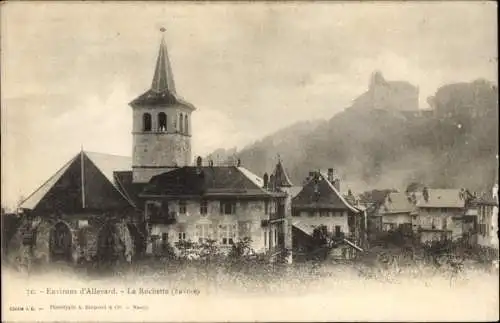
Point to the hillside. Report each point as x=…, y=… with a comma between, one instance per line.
x=455, y=144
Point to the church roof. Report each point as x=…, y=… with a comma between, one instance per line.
x=320, y=193
x=207, y=181
x=162, y=91
x=281, y=178
x=84, y=182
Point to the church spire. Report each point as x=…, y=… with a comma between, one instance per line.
x=280, y=175
x=163, y=79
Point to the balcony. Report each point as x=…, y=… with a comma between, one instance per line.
x=163, y=218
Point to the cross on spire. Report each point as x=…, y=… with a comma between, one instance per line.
x=163, y=79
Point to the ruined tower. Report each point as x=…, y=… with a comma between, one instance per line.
x=161, y=127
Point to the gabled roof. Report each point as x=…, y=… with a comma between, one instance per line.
x=84, y=182
x=320, y=193
x=442, y=198
x=207, y=181
x=396, y=202
x=162, y=91
x=280, y=176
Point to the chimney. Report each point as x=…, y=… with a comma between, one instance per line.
x=330, y=175
x=271, y=181
x=425, y=194
x=266, y=180
x=198, y=161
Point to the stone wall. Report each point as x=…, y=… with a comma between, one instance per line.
x=84, y=241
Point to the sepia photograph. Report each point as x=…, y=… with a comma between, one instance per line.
x=227, y=161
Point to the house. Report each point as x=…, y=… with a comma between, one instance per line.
x=220, y=203
x=396, y=212
x=487, y=219
x=320, y=203
x=440, y=214
x=80, y=213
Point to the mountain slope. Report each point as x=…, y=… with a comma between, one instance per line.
x=454, y=145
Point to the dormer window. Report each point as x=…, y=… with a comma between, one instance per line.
x=146, y=122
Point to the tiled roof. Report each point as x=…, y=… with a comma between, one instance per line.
x=320, y=193
x=108, y=164
x=294, y=190
x=208, y=181
x=86, y=181
x=32, y=200
x=397, y=202
x=304, y=227
x=442, y=198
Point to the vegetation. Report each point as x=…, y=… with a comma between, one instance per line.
x=385, y=148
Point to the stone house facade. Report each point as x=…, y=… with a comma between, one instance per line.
x=221, y=203
x=441, y=214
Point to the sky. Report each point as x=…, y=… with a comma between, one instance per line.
x=69, y=70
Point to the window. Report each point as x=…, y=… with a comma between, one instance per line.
x=164, y=237
x=265, y=238
x=295, y=212
x=338, y=231
x=186, y=124
x=227, y=234
x=152, y=210
x=181, y=123
x=203, y=207
x=182, y=236
x=162, y=122
x=323, y=213
x=227, y=207
x=182, y=207
x=244, y=229
x=444, y=223
x=311, y=213
x=146, y=122
x=203, y=232
x=266, y=207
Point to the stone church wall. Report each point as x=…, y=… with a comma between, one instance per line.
x=84, y=242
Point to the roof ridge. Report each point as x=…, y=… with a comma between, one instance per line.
x=325, y=177
x=106, y=154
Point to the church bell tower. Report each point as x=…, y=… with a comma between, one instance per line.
x=161, y=127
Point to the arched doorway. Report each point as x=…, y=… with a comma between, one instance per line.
x=60, y=242
x=109, y=246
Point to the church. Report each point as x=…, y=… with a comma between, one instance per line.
x=100, y=207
